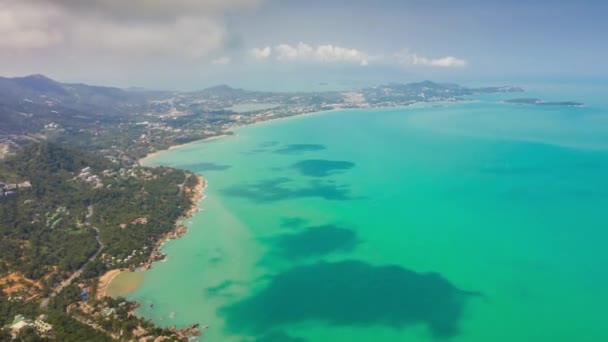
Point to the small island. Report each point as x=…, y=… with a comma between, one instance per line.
x=539, y=102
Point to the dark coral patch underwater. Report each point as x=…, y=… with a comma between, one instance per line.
x=277, y=189
x=300, y=148
x=351, y=293
x=322, y=167
x=314, y=241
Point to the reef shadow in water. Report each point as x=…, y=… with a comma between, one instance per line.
x=300, y=148
x=206, y=167
x=314, y=241
x=322, y=167
x=276, y=189
x=220, y=288
x=292, y=222
x=269, y=143
x=350, y=293
x=277, y=336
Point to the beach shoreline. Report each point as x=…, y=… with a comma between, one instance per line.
x=228, y=133
x=150, y=155
x=179, y=230
x=104, y=282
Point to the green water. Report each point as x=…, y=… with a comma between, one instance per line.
x=471, y=222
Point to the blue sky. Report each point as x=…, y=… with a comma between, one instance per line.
x=187, y=44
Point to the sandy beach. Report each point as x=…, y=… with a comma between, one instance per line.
x=104, y=282
x=123, y=283
x=141, y=161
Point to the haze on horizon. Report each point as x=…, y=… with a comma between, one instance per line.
x=267, y=44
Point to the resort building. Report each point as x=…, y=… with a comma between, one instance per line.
x=42, y=327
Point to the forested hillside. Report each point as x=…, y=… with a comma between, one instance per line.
x=63, y=210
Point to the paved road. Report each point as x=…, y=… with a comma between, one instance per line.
x=183, y=185
x=67, y=282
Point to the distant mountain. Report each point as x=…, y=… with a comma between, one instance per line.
x=28, y=103
x=41, y=89
x=134, y=122
x=34, y=83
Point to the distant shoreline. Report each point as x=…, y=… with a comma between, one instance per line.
x=142, y=160
x=150, y=155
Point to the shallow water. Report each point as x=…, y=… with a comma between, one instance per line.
x=478, y=221
x=125, y=283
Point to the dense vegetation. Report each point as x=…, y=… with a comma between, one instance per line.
x=42, y=226
x=51, y=229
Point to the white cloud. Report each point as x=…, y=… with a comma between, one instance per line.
x=321, y=53
x=286, y=52
x=221, y=61
x=330, y=53
x=444, y=62
x=261, y=53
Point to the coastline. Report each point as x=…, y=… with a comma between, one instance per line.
x=142, y=160
x=150, y=155
x=197, y=193
x=227, y=133
x=179, y=230
x=104, y=282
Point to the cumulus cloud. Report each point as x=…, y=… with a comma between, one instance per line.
x=261, y=53
x=329, y=53
x=321, y=53
x=286, y=52
x=443, y=62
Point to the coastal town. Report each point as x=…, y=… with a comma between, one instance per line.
x=127, y=125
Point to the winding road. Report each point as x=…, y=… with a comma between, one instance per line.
x=45, y=302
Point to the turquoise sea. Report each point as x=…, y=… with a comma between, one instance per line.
x=472, y=221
